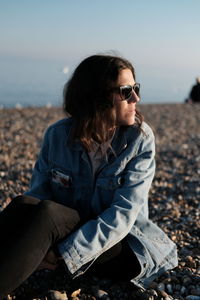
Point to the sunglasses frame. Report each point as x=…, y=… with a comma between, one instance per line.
x=121, y=88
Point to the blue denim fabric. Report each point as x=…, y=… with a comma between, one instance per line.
x=112, y=205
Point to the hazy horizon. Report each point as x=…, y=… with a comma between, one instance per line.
x=42, y=42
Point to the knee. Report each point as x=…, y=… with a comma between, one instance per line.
x=20, y=199
x=48, y=207
x=24, y=199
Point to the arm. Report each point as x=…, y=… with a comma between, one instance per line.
x=111, y=226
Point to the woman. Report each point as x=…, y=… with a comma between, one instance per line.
x=88, y=200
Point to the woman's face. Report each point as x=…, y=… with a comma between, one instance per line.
x=125, y=109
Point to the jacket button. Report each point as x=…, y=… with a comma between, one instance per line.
x=120, y=180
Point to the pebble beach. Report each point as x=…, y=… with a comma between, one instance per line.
x=174, y=200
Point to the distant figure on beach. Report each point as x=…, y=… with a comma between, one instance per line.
x=194, y=96
x=87, y=206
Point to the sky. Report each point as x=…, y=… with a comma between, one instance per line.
x=41, y=42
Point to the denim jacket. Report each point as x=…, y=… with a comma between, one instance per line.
x=113, y=204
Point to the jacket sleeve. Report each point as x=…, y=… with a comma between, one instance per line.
x=111, y=226
x=40, y=185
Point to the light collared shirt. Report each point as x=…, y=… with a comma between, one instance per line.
x=99, y=153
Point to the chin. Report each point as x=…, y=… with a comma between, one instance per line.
x=130, y=121
x=126, y=121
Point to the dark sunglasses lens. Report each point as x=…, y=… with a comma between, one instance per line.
x=136, y=89
x=126, y=92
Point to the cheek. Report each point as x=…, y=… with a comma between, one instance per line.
x=121, y=111
x=123, y=114
x=121, y=107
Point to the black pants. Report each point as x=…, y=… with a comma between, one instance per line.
x=30, y=227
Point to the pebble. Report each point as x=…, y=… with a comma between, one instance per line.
x=187, y=280
x=153, y=292
x=161, y=287
x=195, y=292
x=192, y=297
x=76, y=293
x=163, y=294
x=169, y=288
x=174, y=196
x=153, y=285
x=100, y=294
x=183, y=290
x=57, y=295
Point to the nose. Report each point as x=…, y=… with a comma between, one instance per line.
x=134, y=98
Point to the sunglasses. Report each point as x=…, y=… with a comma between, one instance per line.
x=126, y=91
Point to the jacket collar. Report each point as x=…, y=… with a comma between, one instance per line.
x=75, y=145
x=119, y=141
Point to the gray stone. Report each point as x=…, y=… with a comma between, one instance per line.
x=192, y=297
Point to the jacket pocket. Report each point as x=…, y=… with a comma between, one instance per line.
x=61, y=179
x=62, y=186
x=68, y=189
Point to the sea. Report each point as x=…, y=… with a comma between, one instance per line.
x=33, y=82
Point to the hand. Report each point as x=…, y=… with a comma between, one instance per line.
x=50, y=261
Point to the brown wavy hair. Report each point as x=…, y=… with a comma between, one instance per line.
x=87, y=98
